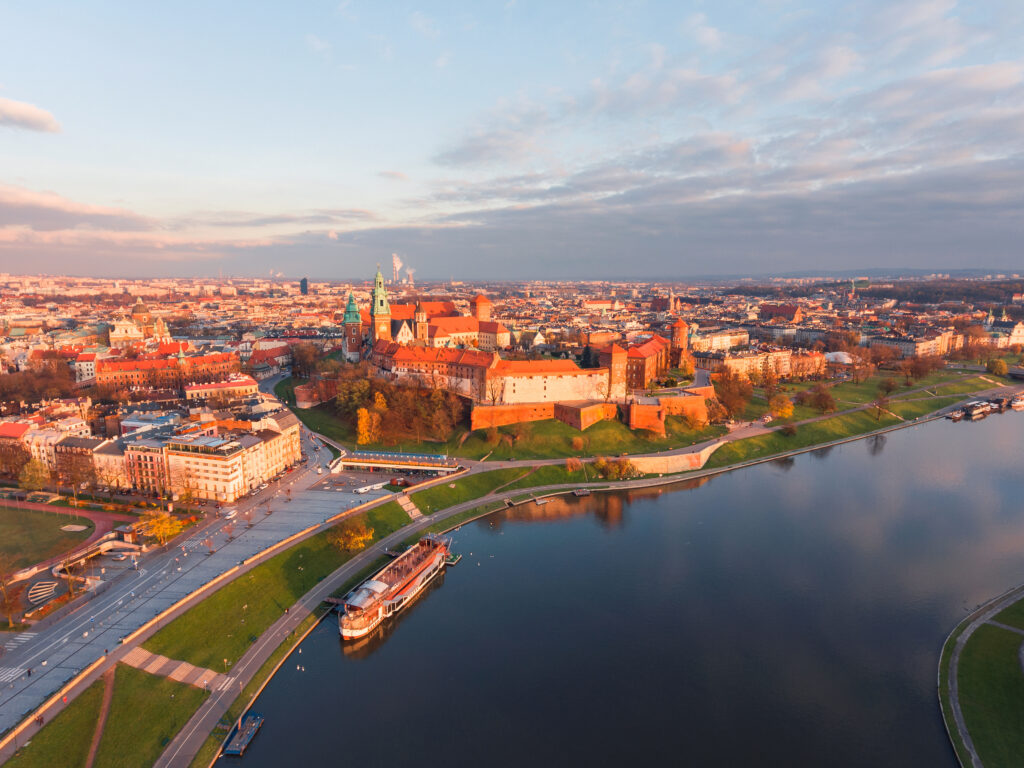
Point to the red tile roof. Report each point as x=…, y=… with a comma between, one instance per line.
x=12, y=430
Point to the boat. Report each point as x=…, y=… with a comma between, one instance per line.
x=956, y=415
x=581, y=492
x=242, y=734
x=1017, y=403
x=392, y=588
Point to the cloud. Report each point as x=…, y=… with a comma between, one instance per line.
x=317, y=45
x=704, y=34
x=47, y=211
x=424, y=25
x=443, y=60
x=21, y=114
x=393, y=175
x=248, y=220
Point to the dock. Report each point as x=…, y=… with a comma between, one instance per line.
x=452, y=559
x=242, y=734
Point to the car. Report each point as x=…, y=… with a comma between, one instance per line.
x=263, y=487
x=230, y=514
x=119, y=557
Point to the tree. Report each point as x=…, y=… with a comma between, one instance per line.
x=380, y=403
x=305, y=356
x=887, y=386
x=733, y=391
x=577, y=443
x=997, y=367
x=13, y=457
x=367, y=426
x=9, y=604
x=495, y=385
x=573, y=464
x=34, y=475
x=350, y=536
x=161, y=525
x=881, y=403
x=780, y=407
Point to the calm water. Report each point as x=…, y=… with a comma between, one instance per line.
x=789, y=614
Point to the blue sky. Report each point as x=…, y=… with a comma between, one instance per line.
x=510, y=140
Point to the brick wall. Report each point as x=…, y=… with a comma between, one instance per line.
x=582, y=416
x=484, y=416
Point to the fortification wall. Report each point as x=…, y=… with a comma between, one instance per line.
x=676, y=462
x=484, y=416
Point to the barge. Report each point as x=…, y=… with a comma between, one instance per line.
x=242, y=734
x=391, y=589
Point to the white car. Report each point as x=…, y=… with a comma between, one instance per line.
x=231, y=513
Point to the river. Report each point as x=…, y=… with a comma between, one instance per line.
x=786, y=614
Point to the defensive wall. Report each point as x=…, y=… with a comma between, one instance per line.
x=675, y=462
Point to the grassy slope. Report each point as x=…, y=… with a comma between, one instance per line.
x=823, y=431
x=992, y=695
x=911, y=409
x=442, y=496
x=31, y=535
x=65, y=740
x=145, y=714
x=551, y=439
x=225, y=624
x=553, y=475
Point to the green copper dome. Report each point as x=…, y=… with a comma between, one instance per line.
x=352, y=311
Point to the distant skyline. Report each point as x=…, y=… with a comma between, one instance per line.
x=511, y=140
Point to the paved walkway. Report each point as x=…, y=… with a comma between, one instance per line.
x=409, y=506
x=182, y=671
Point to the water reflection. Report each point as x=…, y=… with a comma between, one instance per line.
x=768, y=618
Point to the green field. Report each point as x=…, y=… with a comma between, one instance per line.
x=991, y=689
x=66, y=739
x=224, y=625
x=973, y=384
x=912, y=409
x=551, y=439
x=28, y=536
x=826, y=430
x=555, y=474
x=472, y=487
x=145, y=714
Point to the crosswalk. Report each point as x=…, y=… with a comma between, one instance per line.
x=7, y=674
x=224, y=683
x=19, y=639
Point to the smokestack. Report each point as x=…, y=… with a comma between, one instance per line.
x=396, y=267
x=409, y=272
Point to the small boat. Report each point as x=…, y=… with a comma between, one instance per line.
x=1017, y=403
x=955, y=415
x=541, y=502
x=581, y=492
x=242, y=734
x=392, y=588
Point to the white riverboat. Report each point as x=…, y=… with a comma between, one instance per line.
x=394, y=587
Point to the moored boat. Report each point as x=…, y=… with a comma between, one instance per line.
x=392, y=588
x=1017, y=403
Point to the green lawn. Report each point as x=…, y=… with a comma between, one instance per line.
x=1014, y=615
x=911, y=409
x=552, y=439
x=285, y=389
x=474, y=486
x=65, y=740
x=973, y=384
x=28, y=536
x=224, y=625
x=991, y=689
x=145, y=714
x=554, y=475
x=944, y=702
x=834, y=428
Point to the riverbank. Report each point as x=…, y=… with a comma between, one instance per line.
x=981, y=684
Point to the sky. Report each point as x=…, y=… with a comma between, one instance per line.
x=510, y=140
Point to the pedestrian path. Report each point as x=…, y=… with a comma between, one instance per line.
x=7, y=674
x=410, y=508
x=181, y=671
x=18, y=639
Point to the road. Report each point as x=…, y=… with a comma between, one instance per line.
x=37, y=663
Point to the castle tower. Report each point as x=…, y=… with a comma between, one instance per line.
x=680, y=335
x=613, y=357
x=353, y=330
x=422, y=328
x=480, y=307
x=380, y=310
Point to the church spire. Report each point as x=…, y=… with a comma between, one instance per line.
x=380, y=297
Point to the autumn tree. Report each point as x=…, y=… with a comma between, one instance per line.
x=733, y=391
x=997, y=367
x=819, y=397
x=573, y=464
x=350, y=536
x=367, y=426
x=780, y=407
x=887, y=386
x=34, y=476
x=7, y=601
x=160, y=525
x=13, y=457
